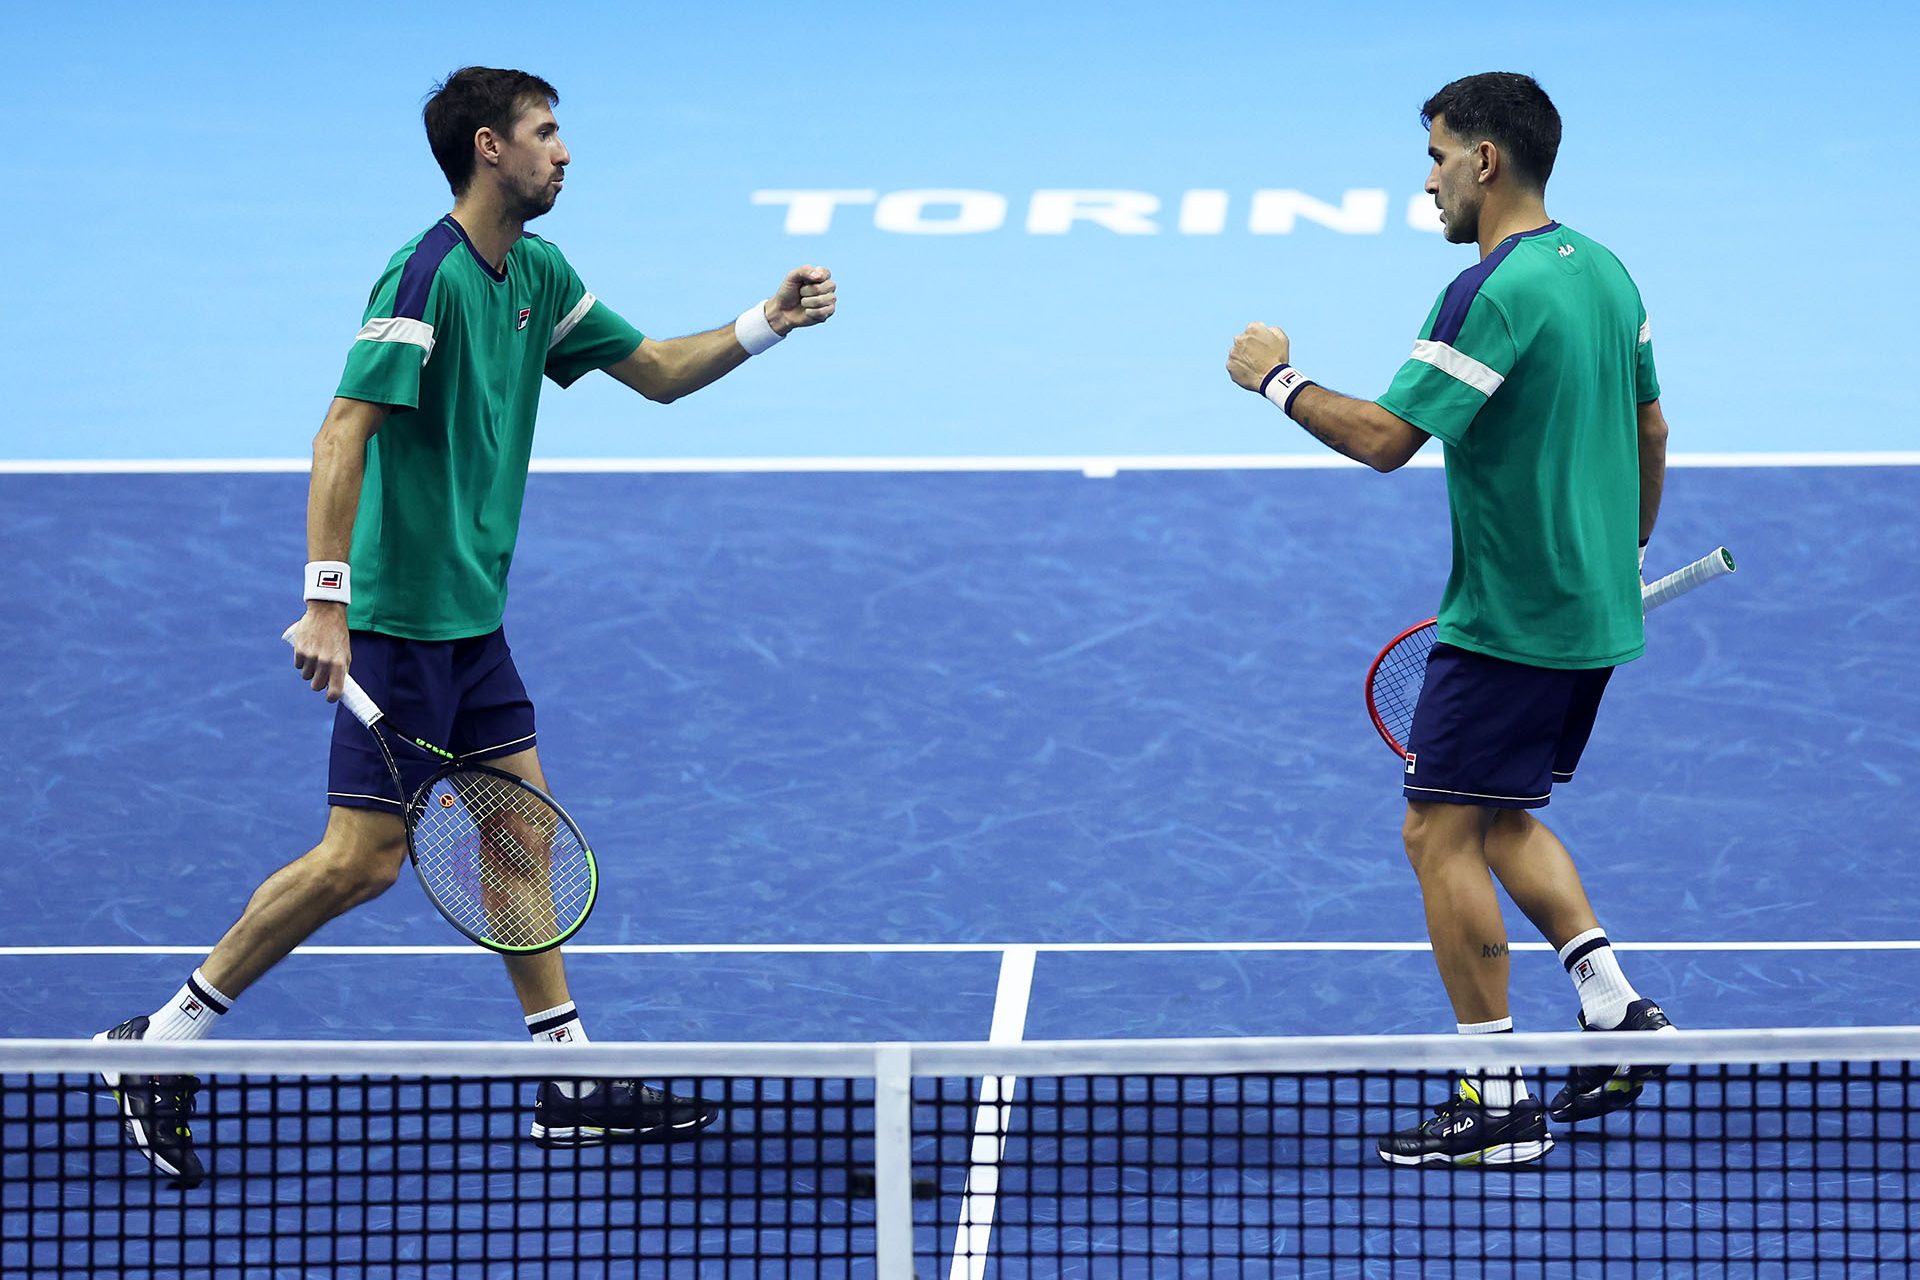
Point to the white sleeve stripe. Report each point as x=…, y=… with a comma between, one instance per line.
x=1646, y=332
x=1456, y=364
x=399, y=329
x=571, y=319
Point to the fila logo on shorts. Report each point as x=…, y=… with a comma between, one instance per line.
x=1410, y=759
x=526, y=314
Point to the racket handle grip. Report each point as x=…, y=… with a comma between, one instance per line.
x=1714, y=564
x=355, y=699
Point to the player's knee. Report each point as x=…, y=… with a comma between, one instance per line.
x=358, y=870
x=1415, y=831
x=1435, y=833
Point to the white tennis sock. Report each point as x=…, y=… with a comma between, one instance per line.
x=561, y=1025
x=192, y=1012
x=1496, y=1090
x=1604, y=990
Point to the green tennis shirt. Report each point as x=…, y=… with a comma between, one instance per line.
x=456, y=351
x=1529, y=370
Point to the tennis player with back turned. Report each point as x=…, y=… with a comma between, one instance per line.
x=1536, y=372
x=419, y=472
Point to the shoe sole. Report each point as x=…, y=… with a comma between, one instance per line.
x=1502, y=1154
x=565, y=1139
x=588, y=1136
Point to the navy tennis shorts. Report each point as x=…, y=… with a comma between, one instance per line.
x=464, y=695
x=1496, y=733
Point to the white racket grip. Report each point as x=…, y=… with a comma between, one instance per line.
x=1715, y=564
x=355, y=699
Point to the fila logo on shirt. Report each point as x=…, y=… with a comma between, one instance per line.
x=526, y=314
x=1566, y=251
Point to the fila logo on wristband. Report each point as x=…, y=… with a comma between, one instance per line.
x=1283, y=382
x=329, y=580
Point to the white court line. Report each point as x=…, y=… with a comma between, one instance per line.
x=1093, y=465
x=937, y=948
x=973, y=1236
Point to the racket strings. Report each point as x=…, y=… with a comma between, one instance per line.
x=1397, y=680
x=500, y=859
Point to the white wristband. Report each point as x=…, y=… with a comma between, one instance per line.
x=329, y=580
x=753, y=332
x=1283, y=383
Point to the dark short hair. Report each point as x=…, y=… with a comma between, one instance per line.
x=1509, y=110
x=471, y=99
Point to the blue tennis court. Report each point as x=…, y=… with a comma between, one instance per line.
x=851, y=744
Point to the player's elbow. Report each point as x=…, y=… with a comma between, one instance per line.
x=1395, y=448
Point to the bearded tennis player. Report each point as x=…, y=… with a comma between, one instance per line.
x=419, y=471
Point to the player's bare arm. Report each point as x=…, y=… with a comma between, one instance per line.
x=665, y=371
x=1360, y=429
x=1653, y=465
x=320, y=645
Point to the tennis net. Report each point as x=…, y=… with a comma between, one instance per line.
x=1769, y=1153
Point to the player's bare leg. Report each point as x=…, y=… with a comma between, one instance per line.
x=358, y=859
x=1446, y=845
x=1538, y=873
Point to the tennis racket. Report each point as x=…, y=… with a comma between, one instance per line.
x=498, y=857
x=1394, y=679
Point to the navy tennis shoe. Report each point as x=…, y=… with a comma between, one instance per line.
x=613, y=1109
x=1464, y=1132
x=1596, y=1090
x=154, y=1111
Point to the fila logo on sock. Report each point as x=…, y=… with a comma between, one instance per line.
x=192, y=1008
x=1583, y=971
x=559, y=1034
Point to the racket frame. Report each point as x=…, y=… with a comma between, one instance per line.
x=1373, y=711
x=416, y=806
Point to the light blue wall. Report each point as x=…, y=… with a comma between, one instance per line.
x=199, y=197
